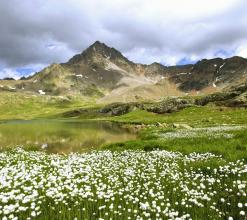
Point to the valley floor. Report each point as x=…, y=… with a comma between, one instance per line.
x=191, y=164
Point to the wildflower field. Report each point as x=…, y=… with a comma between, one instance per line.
x=131, y=184
x=167, y=173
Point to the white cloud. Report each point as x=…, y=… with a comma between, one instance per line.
x=17, y=73
x=47, y=31
x=242, y=50
x=7, y=72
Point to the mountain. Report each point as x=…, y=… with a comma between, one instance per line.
x=104, y=73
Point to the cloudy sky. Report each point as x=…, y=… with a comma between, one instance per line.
x=37, y=33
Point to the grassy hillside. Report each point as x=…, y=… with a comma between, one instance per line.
x=23, y=106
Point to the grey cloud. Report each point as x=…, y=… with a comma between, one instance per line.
x=29, y=27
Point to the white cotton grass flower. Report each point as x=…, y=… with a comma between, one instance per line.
x=120, y=185
x=144, y=206
x=240, y=205
x=242, y=213
x=33, y=214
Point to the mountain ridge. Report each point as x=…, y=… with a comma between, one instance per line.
x=106, y=74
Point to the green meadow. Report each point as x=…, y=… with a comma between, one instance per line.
x=62, y=159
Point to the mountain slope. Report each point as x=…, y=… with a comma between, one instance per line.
x=104, y=73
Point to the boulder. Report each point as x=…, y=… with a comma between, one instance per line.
x=216, y=97
x=117, y=109
x=169, y=105
x=235, y=96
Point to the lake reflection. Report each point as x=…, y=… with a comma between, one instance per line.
x=61, y=136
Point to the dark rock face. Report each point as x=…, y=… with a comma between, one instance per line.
x=8, y=78
x=233, y=97
x=169, y=105
x=234, y=68
x=117, y=109
x=216, y=97
x=214, y=71
x=97, y=48
x=204, y=72
x=166, y=106
x=240, y=101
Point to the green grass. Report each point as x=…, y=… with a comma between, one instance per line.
x=229, y=148
x=25, y=106
x=207, y=116
x=195, y=116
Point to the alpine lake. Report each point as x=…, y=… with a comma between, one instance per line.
x=61, y=136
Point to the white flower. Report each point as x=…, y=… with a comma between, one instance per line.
x=240, y=205
x=5, y=200
x=242, y=213
x=144, y=206
x=33, y=214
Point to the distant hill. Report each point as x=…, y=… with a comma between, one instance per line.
x=104, y=73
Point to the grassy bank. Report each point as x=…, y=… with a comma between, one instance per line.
x=194, y=116
x=230, y=144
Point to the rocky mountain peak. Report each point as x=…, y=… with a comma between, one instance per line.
x=97, y=50
x=99, y=47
